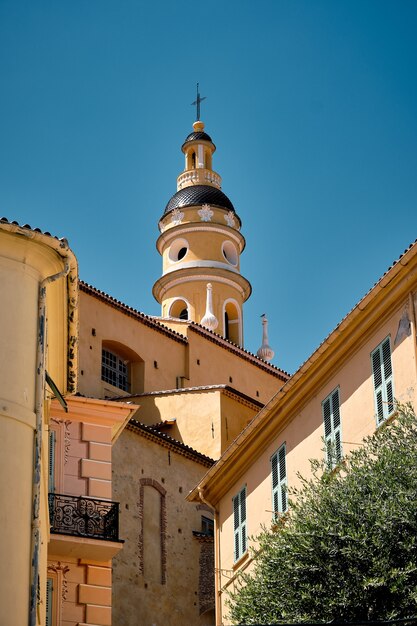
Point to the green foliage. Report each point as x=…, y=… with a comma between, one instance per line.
x=348, y=549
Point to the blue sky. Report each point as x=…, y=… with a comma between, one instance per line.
x=312, y=105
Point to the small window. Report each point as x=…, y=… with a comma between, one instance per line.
x=383, y=381
x=114, y=370
x=279, y=481
x=230, y=253
x=207, y=526
x=332, y=429
x=178, y=250
x=239, y=518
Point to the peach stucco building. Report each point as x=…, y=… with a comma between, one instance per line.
x=343, y=392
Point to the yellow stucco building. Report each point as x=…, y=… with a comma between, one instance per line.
x=345, y=390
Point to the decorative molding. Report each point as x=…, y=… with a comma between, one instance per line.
x=210, y=264
x=213, y=277
x=150, y=482
x=176, y=217
x=61, y=571
x=206, y=213
x=67, y=440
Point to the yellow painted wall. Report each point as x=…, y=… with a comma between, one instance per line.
x=25, y=260
x=302, y=430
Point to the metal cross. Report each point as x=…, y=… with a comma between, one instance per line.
x=197, y=102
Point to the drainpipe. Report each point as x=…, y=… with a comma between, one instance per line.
x=37, y=451
x=217, y=569
x=413, y=326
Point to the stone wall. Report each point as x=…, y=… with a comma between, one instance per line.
x=156, y=577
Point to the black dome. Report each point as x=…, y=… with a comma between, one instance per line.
x=198, y=135
x=196, y=195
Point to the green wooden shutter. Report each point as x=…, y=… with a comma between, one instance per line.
x=239, y=523
x=51, y=461
x=279, y=481
x=383, y=381
x=332, y=428
x=49, y=591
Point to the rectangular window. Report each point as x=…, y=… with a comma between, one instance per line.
x=239, y=516
x=114, y=370
x=332, y=429
x=207, y=526
x=383, y=381
x=279, y=481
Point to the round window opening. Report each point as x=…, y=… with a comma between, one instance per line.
x=230, y=253
x=178, y=250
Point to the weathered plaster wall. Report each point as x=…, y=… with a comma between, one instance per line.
x=151, y=482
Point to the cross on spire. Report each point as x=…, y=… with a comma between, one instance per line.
x=197, y=103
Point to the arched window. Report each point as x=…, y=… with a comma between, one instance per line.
x=121, y=367
x=232, y=323
x=179, y=308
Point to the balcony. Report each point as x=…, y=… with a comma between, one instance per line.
x=199, y=176
x=84, y=527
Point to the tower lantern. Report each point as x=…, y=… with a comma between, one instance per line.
x=201, y=243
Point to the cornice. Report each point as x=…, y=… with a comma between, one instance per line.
x=167, y=281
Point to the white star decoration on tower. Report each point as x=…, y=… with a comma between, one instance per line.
x=206, y=213
x=177, y=216
x=230, y=219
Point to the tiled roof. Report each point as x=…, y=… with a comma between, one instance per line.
x=195, y=195
x=4, y=220
x=245, y=354
x=145, y=319
x=198, y=135
x=163, y=439
x=166, y=392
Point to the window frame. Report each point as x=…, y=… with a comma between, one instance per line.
x=383, y=381
x=332, y=425
x=279, y=481
x=118, y=374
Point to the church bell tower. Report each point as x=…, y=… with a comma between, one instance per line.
x=200, y=244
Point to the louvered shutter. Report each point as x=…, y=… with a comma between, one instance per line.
x=49, y=591
x=239, y=523
x=387, y=367
x=383, y=380
x=378, y=389
x=236, y=525
x=243, y=521
x=282, y=479
x=279, y=481
x=332, y=428
x=275, y=484
x=51, y=461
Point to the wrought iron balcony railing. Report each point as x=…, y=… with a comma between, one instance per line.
x=84, y=517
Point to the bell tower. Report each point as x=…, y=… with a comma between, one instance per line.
x=200, y=244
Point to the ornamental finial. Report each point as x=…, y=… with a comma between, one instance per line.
x=209, y=320
x=265, y=352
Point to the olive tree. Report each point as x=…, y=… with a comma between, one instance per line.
x=347, y=551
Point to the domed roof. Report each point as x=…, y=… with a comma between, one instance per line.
x=196, y=195
x=198, y=135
